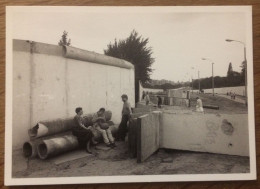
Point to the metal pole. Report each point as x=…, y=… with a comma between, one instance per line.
x=199, y=80
x=212, y=79
x=191, y=85
x=245, y=74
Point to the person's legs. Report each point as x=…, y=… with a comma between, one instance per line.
x=122, y=129
x=104, y=135
x=110, y=137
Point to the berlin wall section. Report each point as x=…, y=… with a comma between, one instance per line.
x=47, y=85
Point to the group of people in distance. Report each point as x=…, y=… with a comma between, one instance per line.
x=146, y=98
x=85, y=134
x=232, y=95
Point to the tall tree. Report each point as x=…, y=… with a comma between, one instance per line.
x=134, y=49
x=243, y=68
x=230, y=70
x=64, y=39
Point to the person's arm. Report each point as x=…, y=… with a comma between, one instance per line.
x=97, y=118
x=80, y=123
x=94, y=119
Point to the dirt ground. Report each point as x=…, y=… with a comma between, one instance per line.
x=117, y=162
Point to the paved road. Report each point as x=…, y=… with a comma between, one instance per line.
x=236, y=100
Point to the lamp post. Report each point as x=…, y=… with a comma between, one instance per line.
x=212, y=73
x=245, y=62
x=199, y=79
x=192, y=79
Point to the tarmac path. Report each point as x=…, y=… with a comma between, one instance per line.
x=229, y=97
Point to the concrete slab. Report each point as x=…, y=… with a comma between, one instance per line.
x=132, y=137
x=148, y=135
x=70, y=156
x=221, y=133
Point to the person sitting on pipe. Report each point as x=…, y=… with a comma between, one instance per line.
x=83, y=133
x=99, y=120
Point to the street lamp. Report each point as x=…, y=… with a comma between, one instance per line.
x=192, y=80
x=245, y=62
x=212, y=73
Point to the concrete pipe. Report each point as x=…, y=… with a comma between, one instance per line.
x=58, y=145
x=30, y=148
x=48, y=128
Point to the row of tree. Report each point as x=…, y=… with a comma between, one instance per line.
x=232, y=79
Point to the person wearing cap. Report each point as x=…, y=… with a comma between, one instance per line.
x=99, y=120
x=126, y=113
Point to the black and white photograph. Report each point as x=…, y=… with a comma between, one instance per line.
x=129, y=94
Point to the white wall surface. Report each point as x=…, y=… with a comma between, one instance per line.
x=205, y=133
x=49, y=86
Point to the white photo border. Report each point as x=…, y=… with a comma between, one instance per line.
x=127, y=179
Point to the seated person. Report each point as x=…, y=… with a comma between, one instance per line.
x=99, y=120
x=83, y=133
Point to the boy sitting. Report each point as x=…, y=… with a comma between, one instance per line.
x=99, y=120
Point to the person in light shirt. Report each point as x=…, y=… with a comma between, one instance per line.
x=199, y=106
x=99, y=120
x=147, y=98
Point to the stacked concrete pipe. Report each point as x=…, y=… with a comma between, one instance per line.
x=50, y=138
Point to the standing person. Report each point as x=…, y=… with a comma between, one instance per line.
x=126, y=113
x=199, y=106
x=147, y=98
x=99, y=120
x=159, y=101
x=143, y=95
x=234, y=96
x=83, y=133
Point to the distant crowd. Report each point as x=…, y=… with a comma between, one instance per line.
x=232, y=95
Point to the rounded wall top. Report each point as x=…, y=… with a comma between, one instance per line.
x=69, y=52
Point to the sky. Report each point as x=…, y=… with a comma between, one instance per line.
x=179, y=39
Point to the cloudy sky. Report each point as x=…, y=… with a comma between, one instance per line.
x=179, y=39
